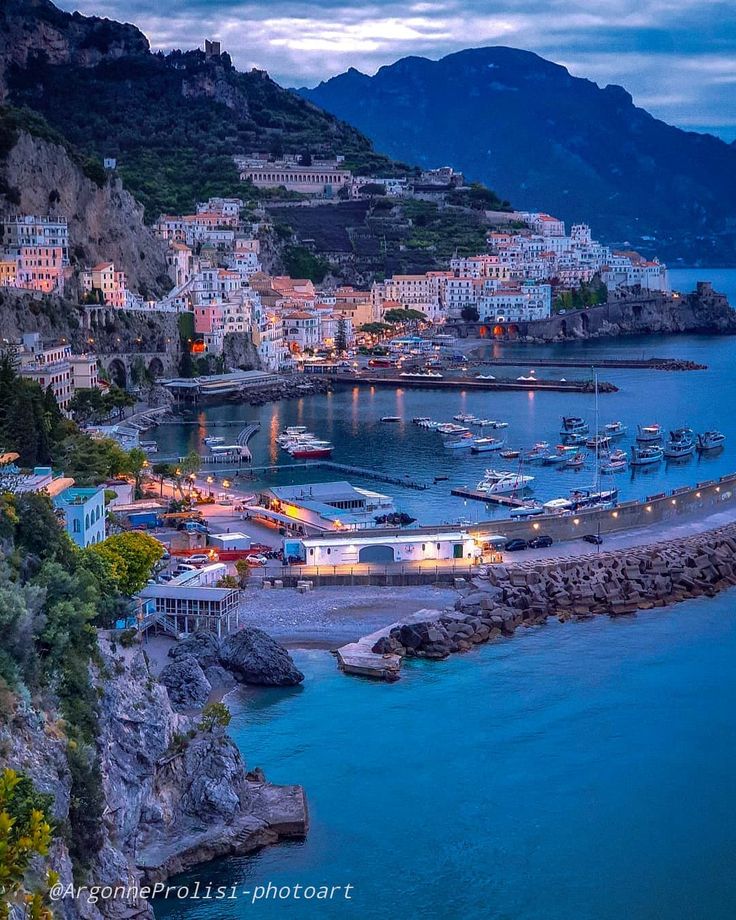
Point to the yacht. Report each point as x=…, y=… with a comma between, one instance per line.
x=556, y=505
x=528, y=509
x=451, y=430
x=710, y=440
x=593, y=498
x=646, y=456
x=482, y=445
x=681, y=444
x=648, y=433
x=615, y=430
x=505, y=484
x=315, y=451
x=573, y=424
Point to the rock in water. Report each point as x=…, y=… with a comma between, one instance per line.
x=202, y=646
x=186, y=684
x=255, y=658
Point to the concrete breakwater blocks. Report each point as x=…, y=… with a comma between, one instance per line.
x=526, y=594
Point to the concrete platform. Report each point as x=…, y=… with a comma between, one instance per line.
x=357, y=658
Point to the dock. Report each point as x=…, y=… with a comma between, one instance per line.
x=508, y=501
x=361, y=471
x=645, y=364
x=357, y=658
x=472, y=383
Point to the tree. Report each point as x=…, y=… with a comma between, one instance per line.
x=372, y=188
x=132, y=557
x=243, y=568
x=470, y=313
x=403, y=316
x=341, y=336
x=137, y=461
x=25, y=833
x=214, y=715
x=87, y=405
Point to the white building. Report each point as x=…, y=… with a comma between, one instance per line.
x=379, y=549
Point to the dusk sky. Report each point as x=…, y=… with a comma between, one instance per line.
x=676, y=57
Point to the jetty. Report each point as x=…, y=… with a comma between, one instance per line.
x=359, y=659
x=360, y=471
x=473, y=383
x=645, y=364
x=508, y=501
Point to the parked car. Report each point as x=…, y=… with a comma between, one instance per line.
x=541, y=542
x=257, y=559
x=184, y=567
x=593, y=538
x=202, y=558
x=513, y=546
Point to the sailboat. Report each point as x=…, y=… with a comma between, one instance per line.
x=595, y=497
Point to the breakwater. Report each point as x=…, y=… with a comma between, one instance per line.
x=527, y=594
x=473, y=383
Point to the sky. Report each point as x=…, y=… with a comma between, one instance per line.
x=676, y=57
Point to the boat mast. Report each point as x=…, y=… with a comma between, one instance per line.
x=596, y=478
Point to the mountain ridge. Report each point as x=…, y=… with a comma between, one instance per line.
x=549, y=140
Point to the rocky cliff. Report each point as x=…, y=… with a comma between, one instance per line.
x=105, y=222
x=174, y=796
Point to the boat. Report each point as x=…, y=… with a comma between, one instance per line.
x=464, y=417
x=616, y=462
x=593, y=498
x=421, y=420
x=573, y=424
x=576, y=440
x=537, y=451
x=615, y=429
x=463, y=443
x=710, y=440
x=289, y=432
x=528, y=509
x=312, y=452
x=482, y=445
x=450, y=429
x=505, y=484
x=509, y=453
x=150, y=447
x=681, y=444
x=598, y=442
x=557, y=505
x=575, y=462
x=390, y=418
x=487, y=423
x=646, y=456
x=648, y=433
x=554, y=458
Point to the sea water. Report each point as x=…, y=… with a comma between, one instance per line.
x=583, y=771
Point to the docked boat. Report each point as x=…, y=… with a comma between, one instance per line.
x=648, y=433
x=312, y=452
x=421, y=420
x=593, y=498
x=483, y=445
x=681, y=444
x=463, y=443
x=451, y=430
x=487, y=423
x=646, y=456
x=505, y=484
x=464, y=417
x=509, y=453
x=213, y=439
x=292, y=431
x=573, y=424
x=616, y=462
x=576, y=440
x=710, y=440
x=150, y=447
x=598, y=442
x=615, y=430
x=528, y=509
x=390, y=418
x=558, y=505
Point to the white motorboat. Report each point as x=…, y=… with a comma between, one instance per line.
x=646, y=456
x=390, y=418
x=710, y=440
x=558, y=505
x=598, y=442
x=464, y=417
x=647, y=434
x=681, y=444
x=538, y=451
x=615, y=430
x=464, y=443
x=213, y=439
x=511, y=482
x=483, y=445
x=528, y=509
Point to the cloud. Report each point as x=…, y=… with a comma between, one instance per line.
x=676, y=57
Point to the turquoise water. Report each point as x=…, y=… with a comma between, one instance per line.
x=580, y=771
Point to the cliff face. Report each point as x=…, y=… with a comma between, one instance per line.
x=59, y=38
x=173, y=796
x=105, y=222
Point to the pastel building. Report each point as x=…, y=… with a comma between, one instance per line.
x=84, y=514
x=109, y=282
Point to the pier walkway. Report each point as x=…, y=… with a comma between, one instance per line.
x=473, y=383
x=645, y=364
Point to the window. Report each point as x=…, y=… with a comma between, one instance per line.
x=75, y=528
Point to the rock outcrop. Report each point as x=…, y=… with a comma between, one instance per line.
x=186, y=684
x=105, y=222
x=249, y=655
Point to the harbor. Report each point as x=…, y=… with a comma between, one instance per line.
x=480, y=383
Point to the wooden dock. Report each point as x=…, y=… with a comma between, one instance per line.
x=508, y=501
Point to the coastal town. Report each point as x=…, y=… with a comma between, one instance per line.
x=322, y=448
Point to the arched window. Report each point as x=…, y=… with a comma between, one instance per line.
x=75, y=528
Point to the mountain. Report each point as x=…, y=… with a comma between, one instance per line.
x=550, y=141
x=171, y=121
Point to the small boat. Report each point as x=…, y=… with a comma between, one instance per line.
x=710, y=440
x=528, y=509
x=598, y=442
x=575, y=462
x=537, y=451
x=509, y=453
x=507, y=483
x=150, y=447
x=450, y=429
x=482, y=445
x=573, y=424
x=558, y=505
x=291, y=431
x=646, y=456
x=464, y=417
x=615, y=466
x=212, y=439
x=681, y=444
x=648, y=433
x=464, y=443
x=576, y=440
x=421, y=420
x=390, y=418
x=314, y=452
x=484, y=422
x=588, y=498
x=615, y=429
x=553, y=459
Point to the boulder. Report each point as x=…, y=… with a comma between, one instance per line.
x=186, y=684
x=255, y=658
x=204, y=647
x=219, y=677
